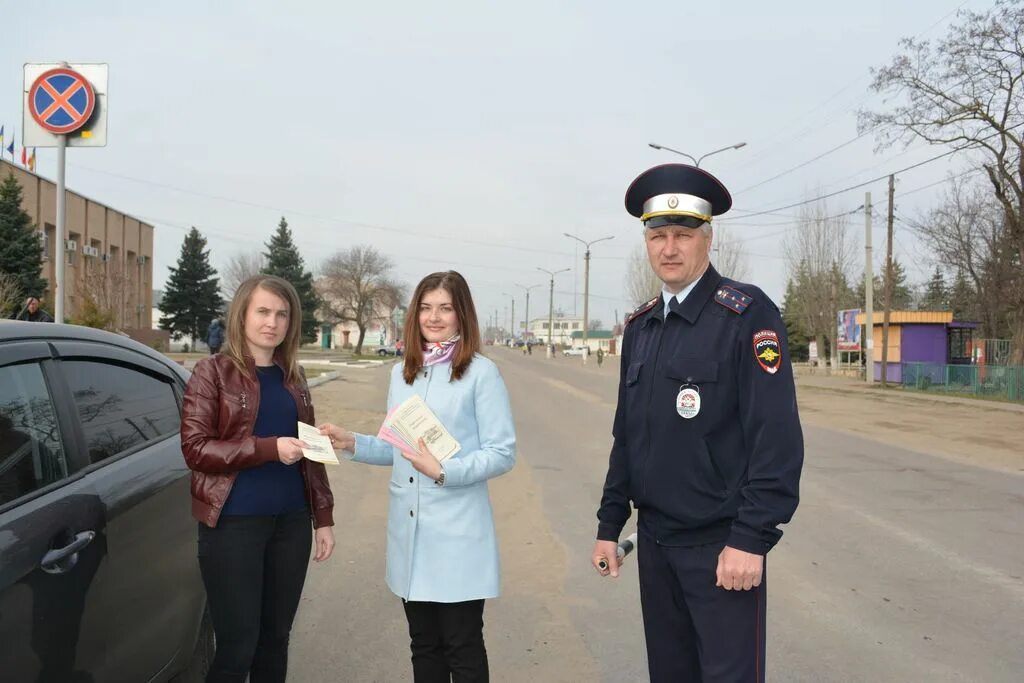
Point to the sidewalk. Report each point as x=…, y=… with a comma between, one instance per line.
x=846, y=385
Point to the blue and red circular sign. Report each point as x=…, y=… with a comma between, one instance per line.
x=61, y=100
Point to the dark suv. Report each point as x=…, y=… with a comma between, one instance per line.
x=98, y=573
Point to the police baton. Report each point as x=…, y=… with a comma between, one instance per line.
x=626, y=546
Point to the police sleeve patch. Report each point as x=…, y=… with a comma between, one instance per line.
x=768, y=351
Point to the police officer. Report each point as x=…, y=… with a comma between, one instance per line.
x=707, y=442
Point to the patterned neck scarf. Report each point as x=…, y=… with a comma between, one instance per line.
x=439, y=352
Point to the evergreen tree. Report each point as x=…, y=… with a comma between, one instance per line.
x=21, y=251
x=936, y=294
x=284, y=261
x=794, y=330
x=902, y=296
x=192, y=296
x=962, y=299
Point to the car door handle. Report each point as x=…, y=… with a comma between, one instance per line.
x=52, y=560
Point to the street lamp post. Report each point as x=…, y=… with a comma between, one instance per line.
x=586, y=288
x=551, y=306
x=526, y=324
x=696, y=162
x=512, y=321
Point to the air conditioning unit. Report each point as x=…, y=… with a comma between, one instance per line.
x=141, y=259
x=71, y=245
x=104, y=257
x=90, y=251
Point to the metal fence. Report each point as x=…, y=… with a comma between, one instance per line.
x=995, y=381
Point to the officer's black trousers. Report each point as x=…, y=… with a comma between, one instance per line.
x=447, y=641
x=697, y=632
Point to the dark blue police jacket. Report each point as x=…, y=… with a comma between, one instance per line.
x=731, y=472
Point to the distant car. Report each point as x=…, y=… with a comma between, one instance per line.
x=98, y=573
x=574, y=351
x=388, y=350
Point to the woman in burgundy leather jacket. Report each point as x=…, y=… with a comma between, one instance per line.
x=253, y=492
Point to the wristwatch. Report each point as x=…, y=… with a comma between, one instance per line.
x=440, y=478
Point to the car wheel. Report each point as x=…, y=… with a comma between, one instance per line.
x=381, y=352
x=202, y=656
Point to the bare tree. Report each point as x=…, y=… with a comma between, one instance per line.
x=103, y=295
x=729, y=258
x=642, y=284
x=240, y=267
x=820, y=255
x=10, y=295
x=967, y=234
x=966, y=92
x=357, y=287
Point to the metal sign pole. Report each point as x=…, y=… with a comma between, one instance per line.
x=62, y=143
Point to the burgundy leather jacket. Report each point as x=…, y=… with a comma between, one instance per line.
x=218, y=416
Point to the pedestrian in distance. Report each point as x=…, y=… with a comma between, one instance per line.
x=442, y=552
x=707, y=442
x=215, y=336
x=33, y=312
x=600, y=356
x=255, y=496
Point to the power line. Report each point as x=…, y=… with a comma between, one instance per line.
x=325, y=219
x=869, y=182
x=809, y=161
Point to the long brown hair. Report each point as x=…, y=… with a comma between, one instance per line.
x=465, y=312
x=235, y=346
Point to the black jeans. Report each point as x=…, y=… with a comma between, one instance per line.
x=254, y=568
x=447, y=641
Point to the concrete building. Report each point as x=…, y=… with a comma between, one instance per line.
x=605, y=340
x=562, y=329
x=108, y=254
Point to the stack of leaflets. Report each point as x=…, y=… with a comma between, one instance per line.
x=412, y=420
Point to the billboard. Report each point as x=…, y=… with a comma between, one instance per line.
x=848, y=331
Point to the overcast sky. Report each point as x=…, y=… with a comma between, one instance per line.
x=472, y=135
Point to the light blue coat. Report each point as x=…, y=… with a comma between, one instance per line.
x=441, y=541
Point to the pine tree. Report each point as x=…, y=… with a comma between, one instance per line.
x=284, y=261
x=192, y=295
x=936, y=294
x=794, y=333
x=962, y=299
x=21, y=251
x=902, y=296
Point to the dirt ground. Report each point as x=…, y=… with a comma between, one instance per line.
x=976, y=432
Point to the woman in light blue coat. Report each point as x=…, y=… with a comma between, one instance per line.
x=442, y=552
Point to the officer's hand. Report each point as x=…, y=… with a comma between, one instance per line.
x=609, y=552
x=738, y=570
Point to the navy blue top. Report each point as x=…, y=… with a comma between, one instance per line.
x=272, y=488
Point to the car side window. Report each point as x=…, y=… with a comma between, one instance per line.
x=120, y=408
x=31, y=450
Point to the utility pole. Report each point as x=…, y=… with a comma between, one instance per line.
x=526, y=323
x=551, y=306
x=888, y=284
x=869, y=296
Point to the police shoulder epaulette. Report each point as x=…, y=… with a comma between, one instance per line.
x=733, y=299
x=641, y=309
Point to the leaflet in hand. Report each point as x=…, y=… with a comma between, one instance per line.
x=413, y=420
x=320, y=448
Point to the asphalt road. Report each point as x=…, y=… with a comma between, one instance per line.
x=899, y=566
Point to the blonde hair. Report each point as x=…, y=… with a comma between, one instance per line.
x=236, y=348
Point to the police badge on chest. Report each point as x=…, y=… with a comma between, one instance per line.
x=688, y=401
